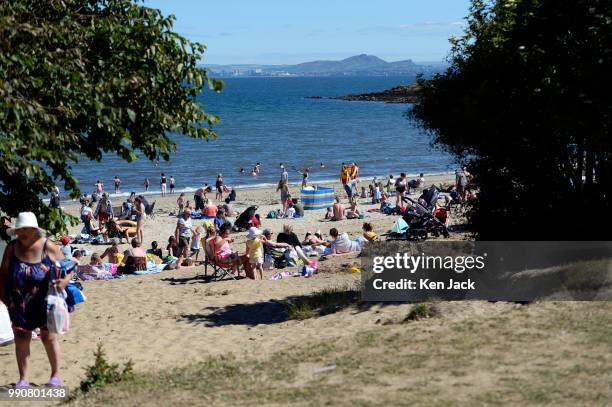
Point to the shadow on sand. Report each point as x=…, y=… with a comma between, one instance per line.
x=269, y=312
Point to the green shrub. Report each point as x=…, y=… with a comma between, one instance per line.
x=420, y=311
x=325, y=302
x=102, y=372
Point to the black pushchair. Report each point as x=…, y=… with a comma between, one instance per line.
x=429, y=197
x=243, y=221
x=422, y=222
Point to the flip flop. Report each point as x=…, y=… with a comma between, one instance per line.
x=22, y=384
x=54, y=382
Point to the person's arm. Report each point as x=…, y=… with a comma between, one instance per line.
x=105, y=253
x=176, y=231
x=275, y=244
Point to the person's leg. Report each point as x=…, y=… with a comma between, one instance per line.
x=140, y=231
x=182, y=255
x=52, y=347
x=348, y=190
x=301, y=254
x=22, y=352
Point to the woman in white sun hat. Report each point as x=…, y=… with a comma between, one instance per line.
x=28, y=266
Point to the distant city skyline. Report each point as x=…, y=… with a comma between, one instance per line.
x=285, y=32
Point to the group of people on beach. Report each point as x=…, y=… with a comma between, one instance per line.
x=30, y=264
x=164, y=183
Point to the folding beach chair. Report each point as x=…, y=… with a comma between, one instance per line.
x=220, y=269
x=149, y=211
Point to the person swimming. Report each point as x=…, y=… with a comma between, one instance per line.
x=241, y=171
x=256, y=169
x=322, y=165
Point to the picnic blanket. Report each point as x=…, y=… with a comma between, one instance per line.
x=89, y=272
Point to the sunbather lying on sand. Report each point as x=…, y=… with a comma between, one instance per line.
x=342, y=244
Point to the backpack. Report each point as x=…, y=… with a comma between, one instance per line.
x=271, y=215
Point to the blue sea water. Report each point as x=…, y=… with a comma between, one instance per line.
x=269, y=120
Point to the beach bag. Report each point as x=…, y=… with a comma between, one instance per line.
x=6, y=332
x=58, y=319
x=308, y=271
x=271, y=215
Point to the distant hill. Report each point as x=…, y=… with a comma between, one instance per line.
x=356, y=65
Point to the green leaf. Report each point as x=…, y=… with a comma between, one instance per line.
x=131, y=115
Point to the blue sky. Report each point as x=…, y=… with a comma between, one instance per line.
x=294, y=31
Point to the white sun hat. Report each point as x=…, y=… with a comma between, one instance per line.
x=24, y=220
x=253, y=232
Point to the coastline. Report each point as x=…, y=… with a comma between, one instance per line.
x=156, y=193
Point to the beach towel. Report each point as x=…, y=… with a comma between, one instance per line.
x=154, y=258
x=281, y=274
x=89, y=272
x=152, y=268
x=111, y=268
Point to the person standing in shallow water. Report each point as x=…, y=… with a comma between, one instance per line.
x=146, y=184
x=28, y=267
x=117, y=182
x=162, y=183
x=305, y=175
x=172, y=184
x=219, y=188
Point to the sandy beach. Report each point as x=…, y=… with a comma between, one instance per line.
x=174, y=317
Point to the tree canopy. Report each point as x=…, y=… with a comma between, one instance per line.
x=526, y=104
x=80, y=78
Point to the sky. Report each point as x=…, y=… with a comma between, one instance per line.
x=294, y=31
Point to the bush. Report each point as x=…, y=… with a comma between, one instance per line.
x=324, y=302
x=102, y=372
x=420, y=311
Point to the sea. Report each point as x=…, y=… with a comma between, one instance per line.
x=270, y=121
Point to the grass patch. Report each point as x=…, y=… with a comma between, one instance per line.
x=324, y=302
x=103, y=373
x=421, y=311
x=556, y=356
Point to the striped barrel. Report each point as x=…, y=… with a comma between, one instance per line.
x=319, y=198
